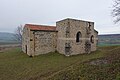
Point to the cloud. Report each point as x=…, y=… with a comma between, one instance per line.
x=16, y=12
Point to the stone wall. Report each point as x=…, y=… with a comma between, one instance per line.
x=67, y=30
x=65, y=41
x=45, y=42
x=25, y=41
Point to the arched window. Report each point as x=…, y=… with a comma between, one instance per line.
x=78, y=36
x=92, y=39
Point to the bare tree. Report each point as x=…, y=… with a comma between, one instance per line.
x=116, y=11
x=18, y=33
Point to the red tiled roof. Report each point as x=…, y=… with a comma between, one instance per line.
x=40, y=27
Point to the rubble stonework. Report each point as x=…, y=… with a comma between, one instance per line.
x=69, y=37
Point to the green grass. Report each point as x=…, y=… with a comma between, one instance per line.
x=105, y=44
x=15, y=65
x=88, y=71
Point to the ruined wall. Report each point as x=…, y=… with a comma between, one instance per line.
x=45, y=42
x=67, y=30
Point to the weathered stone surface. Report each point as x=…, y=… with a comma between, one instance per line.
x=73, y=37
x=67, y=31
x=45, y=42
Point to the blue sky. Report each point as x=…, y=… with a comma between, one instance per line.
x=16, y=12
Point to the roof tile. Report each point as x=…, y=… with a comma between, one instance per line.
x=40, y=27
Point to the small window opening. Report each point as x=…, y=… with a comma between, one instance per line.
x=92, y=39
x=78, y=36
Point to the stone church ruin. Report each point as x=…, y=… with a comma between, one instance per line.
x=68, y=37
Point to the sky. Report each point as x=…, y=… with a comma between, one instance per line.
x=14, y=13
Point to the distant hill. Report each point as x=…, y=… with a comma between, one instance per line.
x=109, y=39
x=7, y=38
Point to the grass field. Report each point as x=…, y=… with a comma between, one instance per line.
x=15, y=65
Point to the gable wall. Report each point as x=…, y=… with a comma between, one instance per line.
x=45, y=42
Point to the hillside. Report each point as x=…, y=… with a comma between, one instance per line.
x=7, y=38
x=104, y=68
x=103, y=64
x=110, y=39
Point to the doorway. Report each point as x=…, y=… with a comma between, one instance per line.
x=26, y=49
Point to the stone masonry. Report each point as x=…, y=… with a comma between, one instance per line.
x=68, y=37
